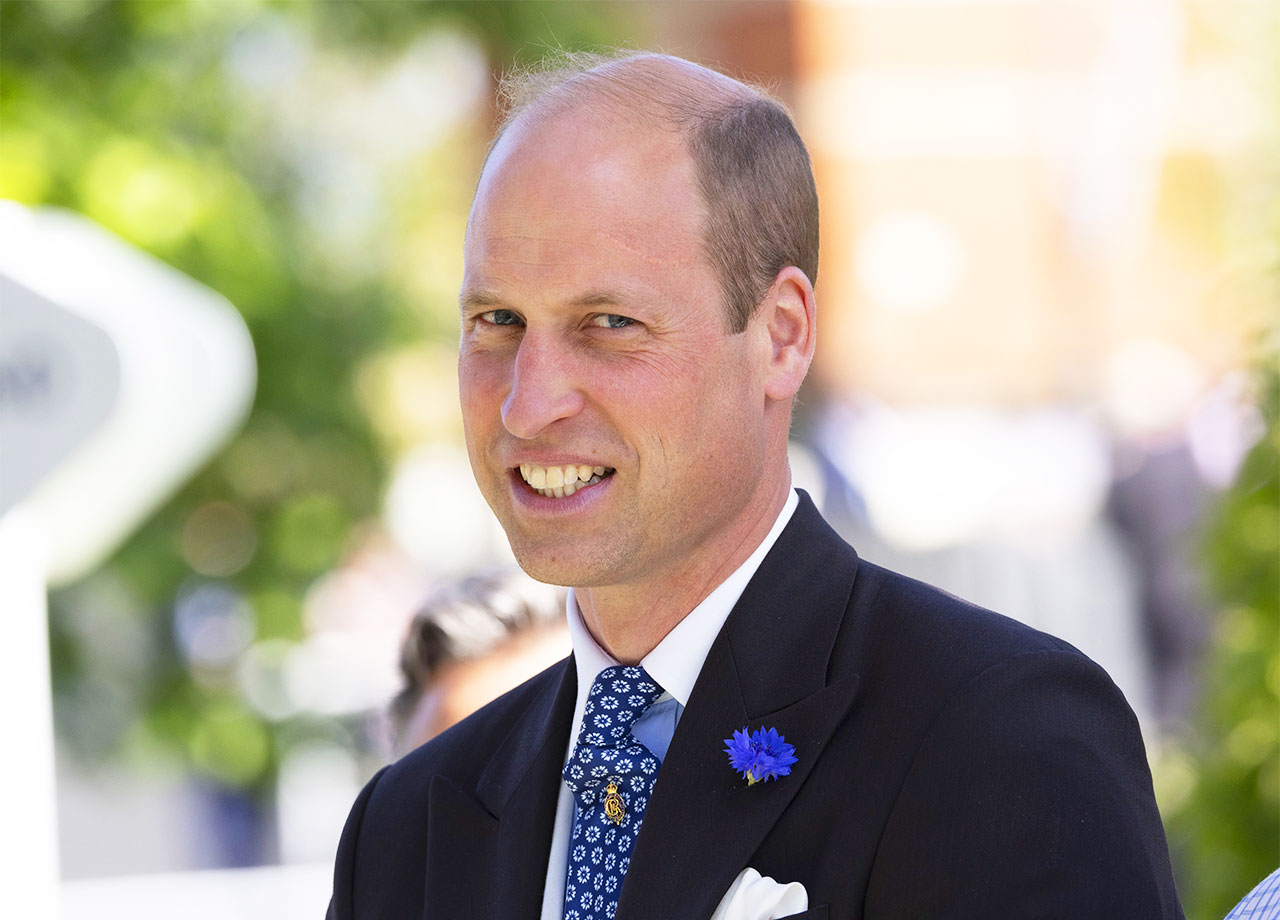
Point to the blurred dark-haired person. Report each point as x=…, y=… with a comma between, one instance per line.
x=754, y=721
x=471, y=641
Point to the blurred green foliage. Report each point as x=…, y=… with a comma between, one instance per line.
x=1226, y=830
x=1224, y=823
x=145, y=116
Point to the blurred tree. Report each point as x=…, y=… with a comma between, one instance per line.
x=1224, y=820
x=1228, y=826
x=241, y=143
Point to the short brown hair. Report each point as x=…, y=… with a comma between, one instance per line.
x=753, y=170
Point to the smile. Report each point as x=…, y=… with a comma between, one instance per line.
x=562, y=481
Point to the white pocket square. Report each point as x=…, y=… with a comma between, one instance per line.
x=756, y=897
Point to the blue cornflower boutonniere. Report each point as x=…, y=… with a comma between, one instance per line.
x=761, y=755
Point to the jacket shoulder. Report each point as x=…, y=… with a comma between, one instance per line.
x=894, y=619
x=1019, y=759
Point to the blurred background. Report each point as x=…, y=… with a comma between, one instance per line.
x=1046, y=380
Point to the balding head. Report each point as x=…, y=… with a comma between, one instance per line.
x=759, y=201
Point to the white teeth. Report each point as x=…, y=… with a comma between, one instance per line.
x=561, y=482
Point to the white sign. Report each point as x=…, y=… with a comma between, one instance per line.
x=59, y=378
x=119, y=376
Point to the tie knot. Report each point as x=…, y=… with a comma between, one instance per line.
x=606, y=751
x=619, y=695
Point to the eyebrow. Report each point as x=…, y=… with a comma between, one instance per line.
x=478, y=297
x=598, y=299
x=482, y=298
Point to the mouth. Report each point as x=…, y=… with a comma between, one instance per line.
x=562, y=481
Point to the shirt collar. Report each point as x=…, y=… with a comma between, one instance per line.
x=677, y=659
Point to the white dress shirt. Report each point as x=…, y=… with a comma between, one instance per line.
x=674, y=664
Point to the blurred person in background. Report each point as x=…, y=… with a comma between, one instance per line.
x=471, y=641
x=754, y=721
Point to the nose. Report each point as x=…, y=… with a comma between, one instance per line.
x=543, y=390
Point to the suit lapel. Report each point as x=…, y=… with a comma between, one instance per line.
x=767, y=668
x=488, y=852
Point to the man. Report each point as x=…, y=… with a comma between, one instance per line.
x=637, y=316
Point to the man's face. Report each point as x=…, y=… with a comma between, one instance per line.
x=595, y=347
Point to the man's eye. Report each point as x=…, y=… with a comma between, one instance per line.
x=501, y=318
x=612, y=321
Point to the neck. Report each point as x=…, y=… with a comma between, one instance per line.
x=628, y=621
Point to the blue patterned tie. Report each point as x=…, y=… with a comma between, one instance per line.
x=611, y=775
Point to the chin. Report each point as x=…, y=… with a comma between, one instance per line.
x=560, y=565
x=550, y=567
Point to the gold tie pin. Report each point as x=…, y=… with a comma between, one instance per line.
x=614, y=807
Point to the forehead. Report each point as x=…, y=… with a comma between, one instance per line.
x=571, y=188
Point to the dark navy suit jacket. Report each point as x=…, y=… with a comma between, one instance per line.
x=952, y=763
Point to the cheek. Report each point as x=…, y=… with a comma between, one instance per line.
x=695, y=412
x=733, y=411
x=481, y=387
x=480, y=399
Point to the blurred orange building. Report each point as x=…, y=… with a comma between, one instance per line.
x=1013, y=192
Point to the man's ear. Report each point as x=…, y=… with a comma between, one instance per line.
x=789, y=313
